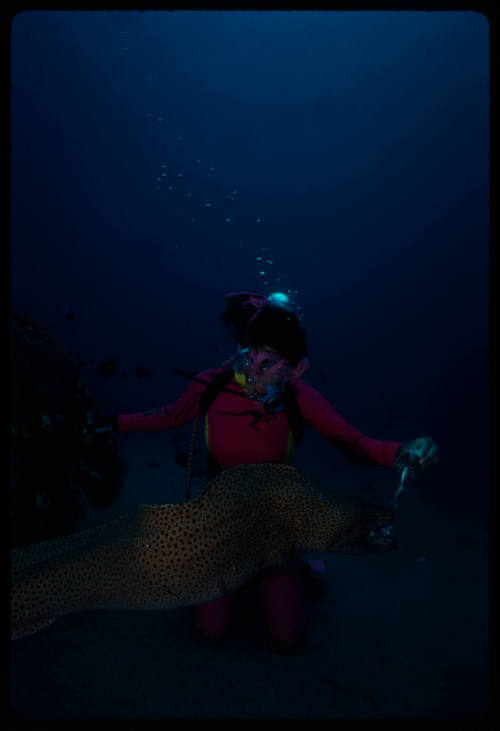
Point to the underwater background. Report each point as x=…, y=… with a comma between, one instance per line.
x=160, y=160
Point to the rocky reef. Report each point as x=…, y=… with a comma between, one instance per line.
x=57, y=464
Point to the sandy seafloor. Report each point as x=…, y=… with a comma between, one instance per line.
x=391, y=638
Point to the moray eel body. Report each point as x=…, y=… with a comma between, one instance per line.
x=249, y=518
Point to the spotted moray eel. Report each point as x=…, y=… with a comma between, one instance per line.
x=248, y=519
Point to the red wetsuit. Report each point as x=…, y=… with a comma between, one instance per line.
x=239, y=431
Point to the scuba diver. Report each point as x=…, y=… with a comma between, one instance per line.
x=255, y=407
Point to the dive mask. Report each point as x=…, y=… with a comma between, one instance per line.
x=264, y=363
x=257, y=364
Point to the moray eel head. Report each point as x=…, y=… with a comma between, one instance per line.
x=309, y=519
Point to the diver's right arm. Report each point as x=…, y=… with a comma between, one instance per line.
x=172, y=416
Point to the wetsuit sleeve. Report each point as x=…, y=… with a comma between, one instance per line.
x=353, y=444
x=172, y=416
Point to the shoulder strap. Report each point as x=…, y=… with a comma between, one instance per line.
x=292, y=408
x=293, y=413
x=210, y=392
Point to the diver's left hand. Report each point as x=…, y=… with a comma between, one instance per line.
x=421, y=452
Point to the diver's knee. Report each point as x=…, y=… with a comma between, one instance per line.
x=212, y=619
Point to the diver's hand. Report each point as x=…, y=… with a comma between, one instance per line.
x=421, y=452
x=96, y=424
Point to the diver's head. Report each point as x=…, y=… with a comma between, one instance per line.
x=256, y=321
x=271, y=341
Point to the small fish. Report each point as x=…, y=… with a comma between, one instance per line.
x=107, y=368
x=142, y=371
x=181, y=458
x=69, y=315
x=20, y=429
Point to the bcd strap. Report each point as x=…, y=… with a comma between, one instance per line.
x=292, y=409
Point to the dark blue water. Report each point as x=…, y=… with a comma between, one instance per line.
x=355, y=147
